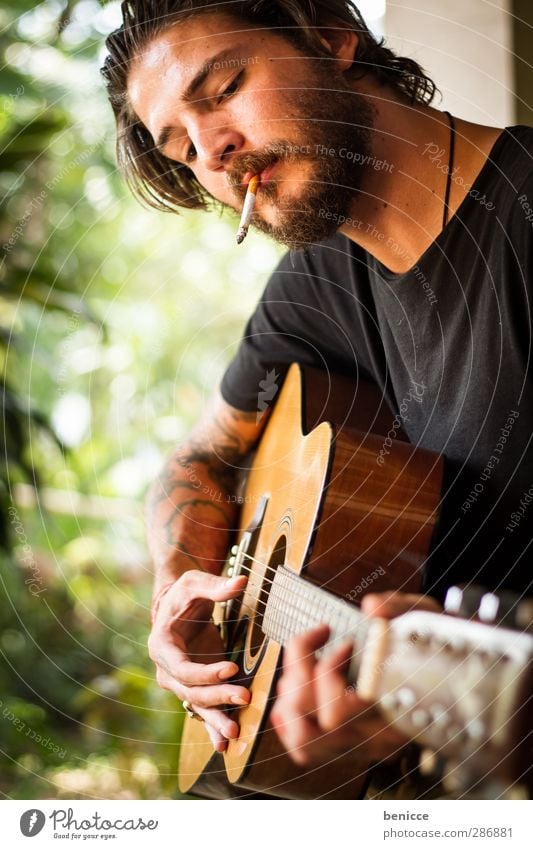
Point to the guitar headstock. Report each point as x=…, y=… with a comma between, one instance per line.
x=456, y=686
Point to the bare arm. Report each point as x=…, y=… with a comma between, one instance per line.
x=190, y=513
x=191, y=506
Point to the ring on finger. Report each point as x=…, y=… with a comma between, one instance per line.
x=190, y=711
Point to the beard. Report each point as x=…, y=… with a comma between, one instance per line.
x=334, y=138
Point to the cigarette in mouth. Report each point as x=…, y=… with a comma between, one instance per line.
x=247, y=209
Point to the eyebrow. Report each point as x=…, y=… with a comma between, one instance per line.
x=206, y=70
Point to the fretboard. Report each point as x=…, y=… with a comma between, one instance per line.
x=294, y=606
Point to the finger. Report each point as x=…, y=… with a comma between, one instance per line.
x=391, y=604
x=197, y=674
x=220, y=744
x=219, y=721
x=335, y=703
x=224, y=725
x=195, y=584
x=295, y=733
x=299, y=657
x=208, y=697
x=175, y=662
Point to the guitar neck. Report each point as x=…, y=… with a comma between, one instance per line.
x=295, y=605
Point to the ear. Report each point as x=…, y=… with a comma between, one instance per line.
x=342, y=43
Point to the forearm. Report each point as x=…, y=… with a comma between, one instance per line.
x=191, y=511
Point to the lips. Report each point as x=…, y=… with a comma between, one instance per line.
x=264, y=176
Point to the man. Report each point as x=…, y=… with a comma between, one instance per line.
x=413, y=270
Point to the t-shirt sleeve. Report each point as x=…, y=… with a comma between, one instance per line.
x=294, y=321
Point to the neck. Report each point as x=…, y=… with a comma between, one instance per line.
x=399, y=210
x=295, y=605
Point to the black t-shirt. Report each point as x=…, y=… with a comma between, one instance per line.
x=454, y=331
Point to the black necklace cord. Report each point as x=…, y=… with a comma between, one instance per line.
x=446, y=214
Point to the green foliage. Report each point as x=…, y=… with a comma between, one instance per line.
x=115, y=323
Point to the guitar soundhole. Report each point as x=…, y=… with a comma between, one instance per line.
x=256, y=636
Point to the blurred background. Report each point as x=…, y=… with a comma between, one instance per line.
x=115, y=324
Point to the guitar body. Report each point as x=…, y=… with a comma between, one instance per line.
x=319, y=500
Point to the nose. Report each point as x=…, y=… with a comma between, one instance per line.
x=216, y=145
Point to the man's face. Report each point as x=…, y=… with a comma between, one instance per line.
x=230, y=101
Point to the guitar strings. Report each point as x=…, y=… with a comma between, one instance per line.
x=265, y=579
x=287, y=597
x=271, y=580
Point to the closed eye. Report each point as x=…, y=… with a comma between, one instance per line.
x=232, y=87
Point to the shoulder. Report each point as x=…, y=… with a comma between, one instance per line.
x=512, y=157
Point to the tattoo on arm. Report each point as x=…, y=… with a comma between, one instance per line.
x=198, y=480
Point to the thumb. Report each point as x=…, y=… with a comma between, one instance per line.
x=196, y=584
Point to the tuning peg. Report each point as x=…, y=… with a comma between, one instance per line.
x=431, y=763
x=524, y=615
x=463, y=602
x=234, y=549
x=501, y=609
x=452, y=602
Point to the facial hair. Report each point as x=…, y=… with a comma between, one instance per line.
x=334, y=136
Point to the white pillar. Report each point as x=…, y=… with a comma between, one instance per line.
x=466, y=47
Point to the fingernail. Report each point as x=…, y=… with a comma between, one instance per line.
x=227, y=672
x=238, y=700
x=231, y=581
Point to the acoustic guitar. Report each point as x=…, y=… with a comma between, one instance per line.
x=338, y=502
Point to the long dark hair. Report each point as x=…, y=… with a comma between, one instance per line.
x=164, y=184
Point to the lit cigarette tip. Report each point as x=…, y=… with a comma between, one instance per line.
x=247, y=209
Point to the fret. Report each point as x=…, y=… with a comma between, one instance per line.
x=294, y=606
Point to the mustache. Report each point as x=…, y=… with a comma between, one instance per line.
x=256, y=162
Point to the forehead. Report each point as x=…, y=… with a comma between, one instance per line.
x=176, y=54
